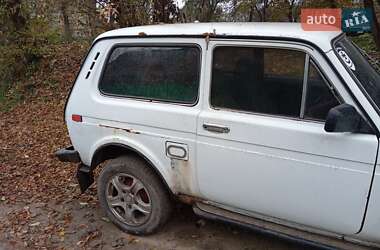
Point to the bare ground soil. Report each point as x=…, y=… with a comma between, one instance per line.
x=76, y=225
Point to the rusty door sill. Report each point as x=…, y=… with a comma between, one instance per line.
x=297, y=236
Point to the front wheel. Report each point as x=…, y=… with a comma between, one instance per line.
x=133, y=196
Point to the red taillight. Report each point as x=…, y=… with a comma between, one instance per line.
x=76, y=118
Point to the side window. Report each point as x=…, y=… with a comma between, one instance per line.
x=153, y=73
x=258, y=80
x=319, y=97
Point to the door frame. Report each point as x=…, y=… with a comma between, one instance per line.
x=311, y=53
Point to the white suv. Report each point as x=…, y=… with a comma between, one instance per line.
x=256, y=124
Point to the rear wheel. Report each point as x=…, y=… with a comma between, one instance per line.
x=133, y=196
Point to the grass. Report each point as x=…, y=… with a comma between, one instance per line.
x=9, y=98
x=3, y=91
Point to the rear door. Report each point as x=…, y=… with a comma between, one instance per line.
x=261, y=142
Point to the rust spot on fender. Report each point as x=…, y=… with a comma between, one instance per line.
x=188, y=199
x=142, y=34
x=128, y=130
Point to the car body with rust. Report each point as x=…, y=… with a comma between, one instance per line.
x=264, y=125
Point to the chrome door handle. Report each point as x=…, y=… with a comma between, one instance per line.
x=216, y=128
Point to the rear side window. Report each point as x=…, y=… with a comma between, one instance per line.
x=268, y=81
x=155, y=73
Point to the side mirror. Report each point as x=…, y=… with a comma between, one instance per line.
x=343, y=118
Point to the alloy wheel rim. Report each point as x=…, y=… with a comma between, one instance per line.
x=128, y=199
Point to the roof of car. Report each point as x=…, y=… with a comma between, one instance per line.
x=267, y=29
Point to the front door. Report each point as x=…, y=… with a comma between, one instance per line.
x=261, y=143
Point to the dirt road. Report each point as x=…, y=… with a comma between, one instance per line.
x=83, y=225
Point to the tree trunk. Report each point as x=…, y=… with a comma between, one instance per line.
x=259, y=12
x=201, y=16
x=251, y=11
x=234, y=12
x=92, y=17
x=66, y=22
x=375, y=24
x=293, y=11
x=290, y=11
x=264, y=19
x=161, y=11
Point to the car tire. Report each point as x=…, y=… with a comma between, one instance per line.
x=133, y=196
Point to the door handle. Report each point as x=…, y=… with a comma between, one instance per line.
x=216, y=128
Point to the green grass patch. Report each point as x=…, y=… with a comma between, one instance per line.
x=9, y=98
x=3, y=91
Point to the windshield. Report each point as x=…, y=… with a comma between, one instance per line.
x=367, y=75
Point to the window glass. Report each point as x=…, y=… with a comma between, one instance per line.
x=367, y=74
x=155, y=73
x=319, y=97
x=258, y=80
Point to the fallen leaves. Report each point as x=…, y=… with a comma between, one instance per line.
x=91, y=235
x=29, y=134
x=118, y=243
x=35, y=224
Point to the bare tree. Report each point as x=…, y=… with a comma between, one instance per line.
x=132, y=12
x=261, y=8
x=201, y=10
x=13, y=9
x=63, y=7
x=293, y=9
x=92, y=15
x=251, y=12
x=209, y=8
x=164, y=11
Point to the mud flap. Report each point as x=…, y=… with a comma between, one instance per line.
x=85, y=177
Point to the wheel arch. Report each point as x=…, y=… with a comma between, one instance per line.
x=113, y=150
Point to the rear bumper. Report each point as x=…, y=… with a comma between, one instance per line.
x=68, y=154
x=84, y=174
